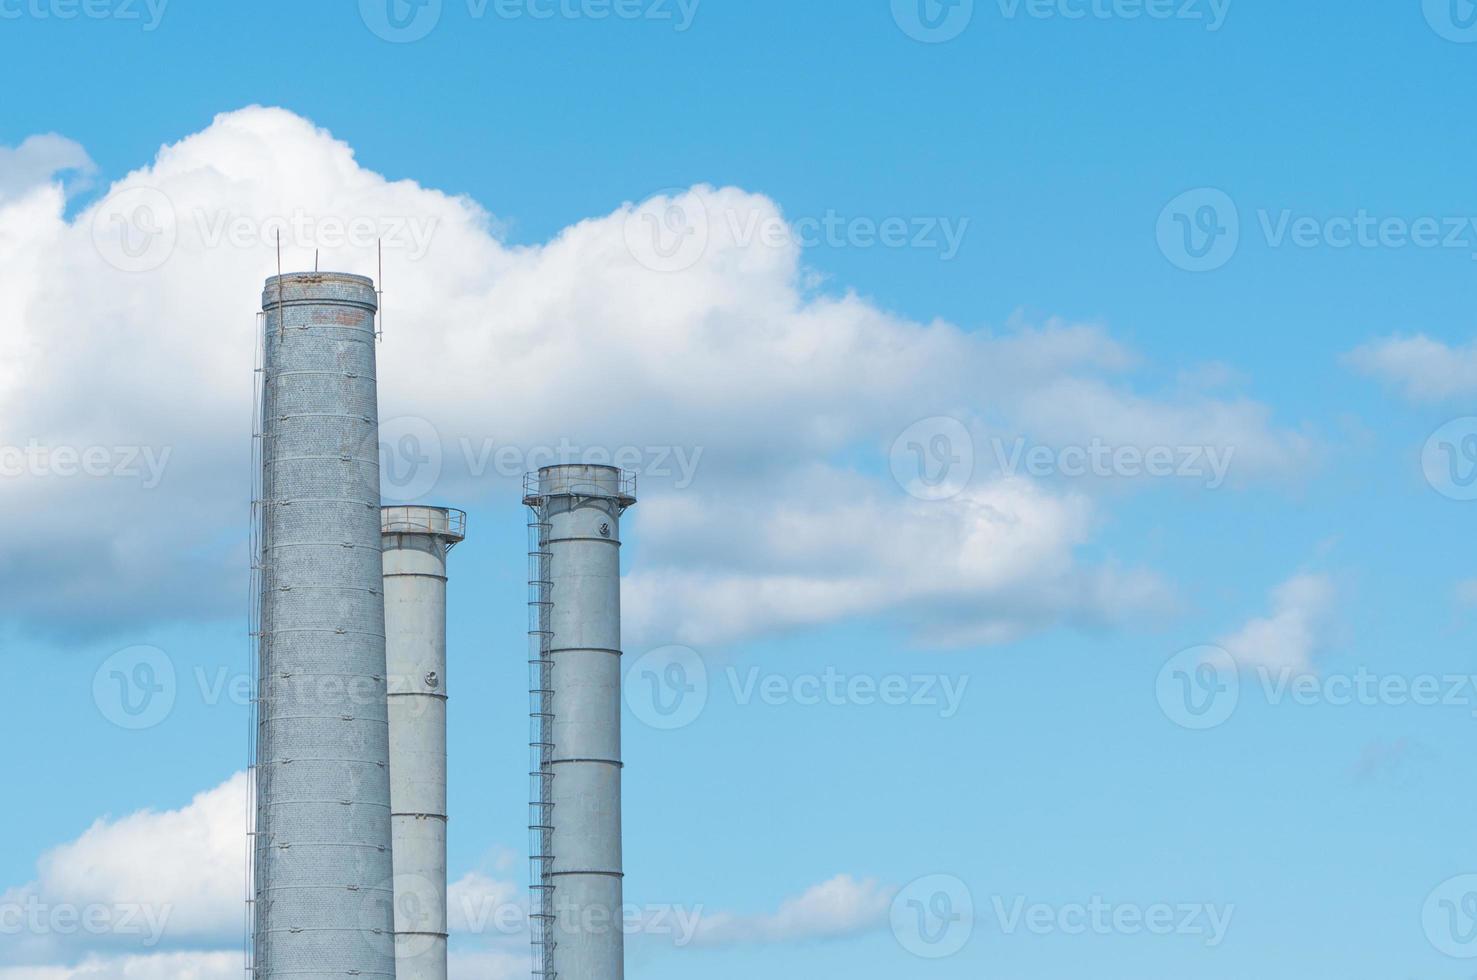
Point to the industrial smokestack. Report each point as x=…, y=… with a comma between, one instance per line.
x=322, y=898
x=576, y=819
x=416, y=543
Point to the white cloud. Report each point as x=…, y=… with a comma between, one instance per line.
x=488, y=965
x=181, y=874
x=156, y=966
x=1422, y=369
x=1076, y=410
x=485, y=906
x=151, y=879
x=1466, y=593
x=1286, y=639
x=734, y=357
x=185, y=868
x=842, y=906
x=39, y=159
x=987, y=565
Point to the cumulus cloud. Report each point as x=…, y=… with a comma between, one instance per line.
x=1286, y=639
x=185, y=867
x=152, y=879
x=134, y=334
x=492, y=965
x=230, y=966
x=482, y=905
x=154, y=966
x=1420, y=368
x=1076, y=411
x=38, y=160
x=984, y=566
x=842, y=906
x=172, y=882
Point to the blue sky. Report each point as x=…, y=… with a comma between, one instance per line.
x=1060, y=146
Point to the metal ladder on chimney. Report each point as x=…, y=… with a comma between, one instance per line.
x=541, y=745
